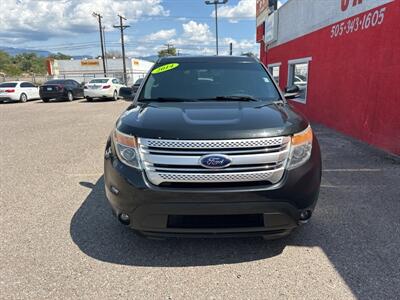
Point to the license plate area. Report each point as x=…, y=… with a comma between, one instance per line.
x=215, y=221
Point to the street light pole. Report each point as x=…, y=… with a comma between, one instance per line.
x=216, y=3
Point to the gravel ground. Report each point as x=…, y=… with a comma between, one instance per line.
x=58, y=238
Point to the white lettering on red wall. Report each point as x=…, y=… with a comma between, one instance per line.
x=363, y=22
x=345, y=3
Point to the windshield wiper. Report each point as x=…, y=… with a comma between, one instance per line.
x=231, y=98
x=167, y=99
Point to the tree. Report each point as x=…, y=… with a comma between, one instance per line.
x=171, y=51
x=8, y=65
x=30, y=63
x=60, y=56
x=249, y=54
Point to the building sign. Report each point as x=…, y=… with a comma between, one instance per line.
x=344, y=5
x=271, y=28
x=261, y=11
x=90, y=62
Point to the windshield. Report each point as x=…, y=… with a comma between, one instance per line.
x=139, y=81
x=55, y=82
x=98, y=81
x=209, y=81
x=8, y=85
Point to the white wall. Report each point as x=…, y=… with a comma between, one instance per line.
x=300, y=17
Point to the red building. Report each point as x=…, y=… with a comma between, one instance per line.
x=345, y=57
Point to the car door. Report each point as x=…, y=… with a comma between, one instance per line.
x=25, y=88
x=116, y=84
x=78, y=88
x=33, y=90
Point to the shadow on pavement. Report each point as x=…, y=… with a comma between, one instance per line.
x=98, y=234
x=356, y=224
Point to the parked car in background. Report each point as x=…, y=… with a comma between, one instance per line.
x=21, y=91
x=103, y=88
x=130, y=92
x=300, y=81
x=61, y=89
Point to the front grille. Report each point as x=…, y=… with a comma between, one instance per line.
x=178, y=161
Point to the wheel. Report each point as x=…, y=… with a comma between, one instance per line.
x=46, y=100
x=115, y=96
x=88, y=99
x=70, y=96
x=23, y=98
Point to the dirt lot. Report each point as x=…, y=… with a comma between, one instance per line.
x=58, y=238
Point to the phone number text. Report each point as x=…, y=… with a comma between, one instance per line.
x=363, y=22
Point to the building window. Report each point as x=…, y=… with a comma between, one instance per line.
x=298, y=75
x=274, y=70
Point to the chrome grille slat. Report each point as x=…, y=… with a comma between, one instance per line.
x=214, y=144
x=205, y=152
x=258, y=168
x=225, y=177
x=179, y=160
x=246, y=159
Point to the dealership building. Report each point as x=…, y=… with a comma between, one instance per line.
x=344, y=55
x=87, y=69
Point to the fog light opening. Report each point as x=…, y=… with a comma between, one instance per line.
x=305, y=216
x=124, y=219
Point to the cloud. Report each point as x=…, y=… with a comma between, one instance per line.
x=197, y=39
x=42, y=19
x=240, y=46
x=243, y=9
x=162, y=35
x=197, y=32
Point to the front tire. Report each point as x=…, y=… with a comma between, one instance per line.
x=70, y=96
x=23, y=98
x=46, y=100
x=88, y=99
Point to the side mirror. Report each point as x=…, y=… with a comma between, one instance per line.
x=292, y=92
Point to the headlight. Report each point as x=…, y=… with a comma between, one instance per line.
x=301, y=147
x=126, y=148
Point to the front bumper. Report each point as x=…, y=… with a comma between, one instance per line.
x=167, y=212
x=98, y=93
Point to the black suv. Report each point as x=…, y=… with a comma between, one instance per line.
x=210, y=146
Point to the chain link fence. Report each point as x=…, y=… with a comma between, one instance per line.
x=37, y=79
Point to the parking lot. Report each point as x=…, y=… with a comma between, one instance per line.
x=58, y=238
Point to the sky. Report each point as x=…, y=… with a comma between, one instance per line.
x=68, y=26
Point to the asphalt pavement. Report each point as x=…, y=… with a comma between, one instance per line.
x=58, y=238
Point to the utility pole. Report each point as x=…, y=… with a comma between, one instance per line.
x=168, y=46
x=105, y=46
x=230, y=48
x=122, y=27
x=216, y=3
x=99, y=17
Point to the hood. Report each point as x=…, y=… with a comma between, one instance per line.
x=210, y=120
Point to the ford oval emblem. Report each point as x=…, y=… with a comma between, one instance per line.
x=215, y=161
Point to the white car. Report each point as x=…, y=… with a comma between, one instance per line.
x=102, y=88
x=18, y=91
